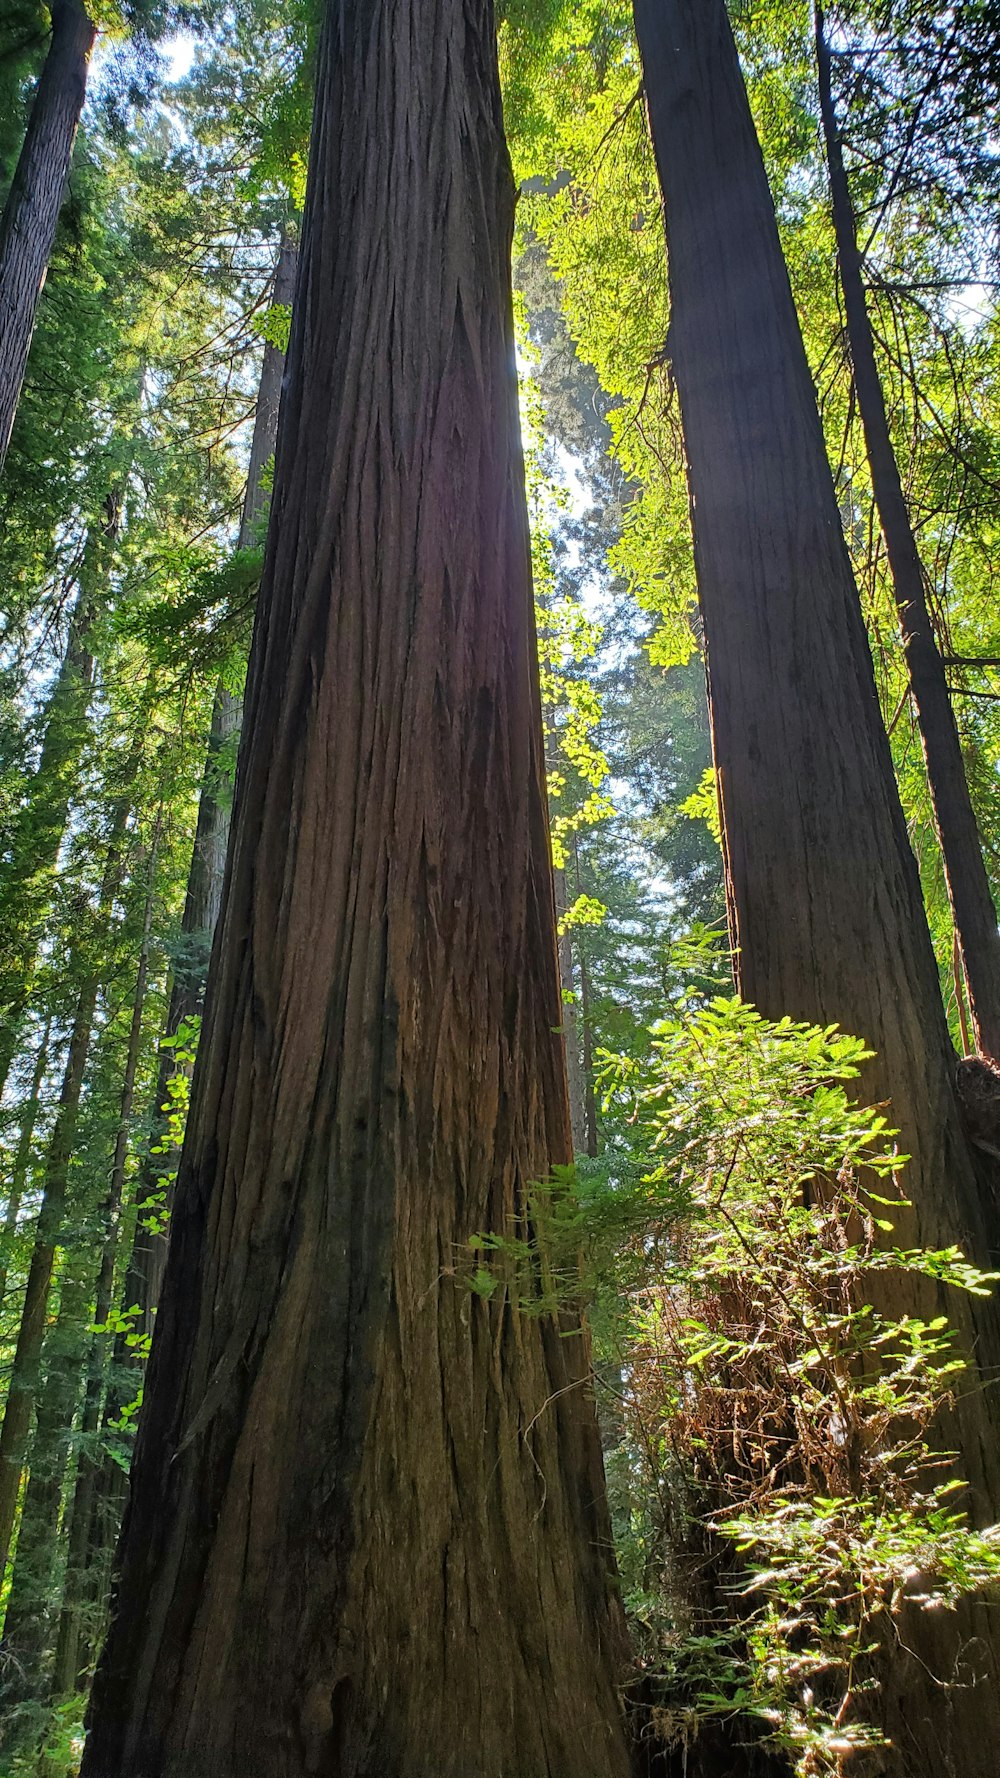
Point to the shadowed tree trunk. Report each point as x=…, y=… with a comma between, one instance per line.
x=25, y=883
x=22, y=1643
x=31, y=1331
x=824, y=898
x=22, y=1158
x=26, y=1620
x=27, y=876
x=965, y=871
x=28, y=223
x=101, y=1498
x=367, y=1530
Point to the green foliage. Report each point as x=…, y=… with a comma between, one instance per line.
x=780, y=1364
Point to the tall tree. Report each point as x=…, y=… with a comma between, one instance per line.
x=28, y=223
x=969, y=891
x=350, y=1467
x=825, y=907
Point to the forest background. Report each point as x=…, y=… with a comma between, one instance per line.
x=132, y=511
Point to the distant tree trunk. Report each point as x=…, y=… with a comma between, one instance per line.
x=367, y=1530
x=78, y=1520
x=28, y=223
x=27, y=877
x=571, y=1034
x=589, y=1088
x=38, y=830
x=824, y=898
x=26, y=1621
x=31, y=1333
x=22, y=1158
x=965, y=871
x=592, y=1145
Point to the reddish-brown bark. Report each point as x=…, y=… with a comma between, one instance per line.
x=367, y=1532
x=954, y=817
x=28, y=223
x=825, y=904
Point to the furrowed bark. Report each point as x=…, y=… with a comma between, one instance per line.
x=825, y=907
x=366, y=1531
x=30, y=215
x=93, y=1536
x=969, y=890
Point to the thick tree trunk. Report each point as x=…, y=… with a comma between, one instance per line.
x=28, y=224
x=22, y=1159
x=93, y=1537
x=965, y=871
x=824, y=898
x=367, y=1531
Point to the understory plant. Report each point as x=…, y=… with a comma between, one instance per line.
x=771, y=1366
x=782, y=1364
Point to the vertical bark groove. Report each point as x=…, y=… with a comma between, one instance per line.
x=367, y=1532
x=825, y=904
x=30, y=215
x=954, y=817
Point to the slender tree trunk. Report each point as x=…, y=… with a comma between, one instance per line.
x=571, y=1034
x=22, y=1158
x=28, y=224
x=589, y=1090
x=367, y=1530
x=825, y=907
x=29, y=1603
x=78, y=1554
x=586, y=1023
x=31, y=1334
x=27, y=1356
x=25, y=883
x=965, y=871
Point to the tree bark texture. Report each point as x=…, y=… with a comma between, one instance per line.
x=825, y=907
x=30, y=215
x=98, y=1521
x=969, y=890
x=367, y=1531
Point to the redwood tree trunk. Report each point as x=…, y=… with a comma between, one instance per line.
x=367, y=1531
x=22, y=1158
x=28, y=224
x=97, y=1518
x=24, y=1376
x=969, y=891
x=824, y=898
